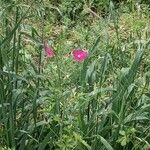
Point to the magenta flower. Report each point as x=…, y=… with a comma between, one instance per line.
x=49, y=52
x=79, y=54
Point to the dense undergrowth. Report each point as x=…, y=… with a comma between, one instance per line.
x=57, y=103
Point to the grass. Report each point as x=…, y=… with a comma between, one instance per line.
x=58, y=103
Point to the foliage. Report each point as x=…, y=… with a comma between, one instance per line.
x=58, y=103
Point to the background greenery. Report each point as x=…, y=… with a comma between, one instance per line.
x=59, y=104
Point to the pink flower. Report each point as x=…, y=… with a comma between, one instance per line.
x=49, y=52
x=79, y=54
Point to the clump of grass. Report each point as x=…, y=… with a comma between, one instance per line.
x=56, y=102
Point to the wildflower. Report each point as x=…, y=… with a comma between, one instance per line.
x=79, y=54
x=49, y=52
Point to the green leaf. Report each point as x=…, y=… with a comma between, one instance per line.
x=105, y=143
x=79, y=139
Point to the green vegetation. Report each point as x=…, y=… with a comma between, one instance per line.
x=57, y=103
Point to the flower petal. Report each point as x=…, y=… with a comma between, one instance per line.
x=79, y=54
